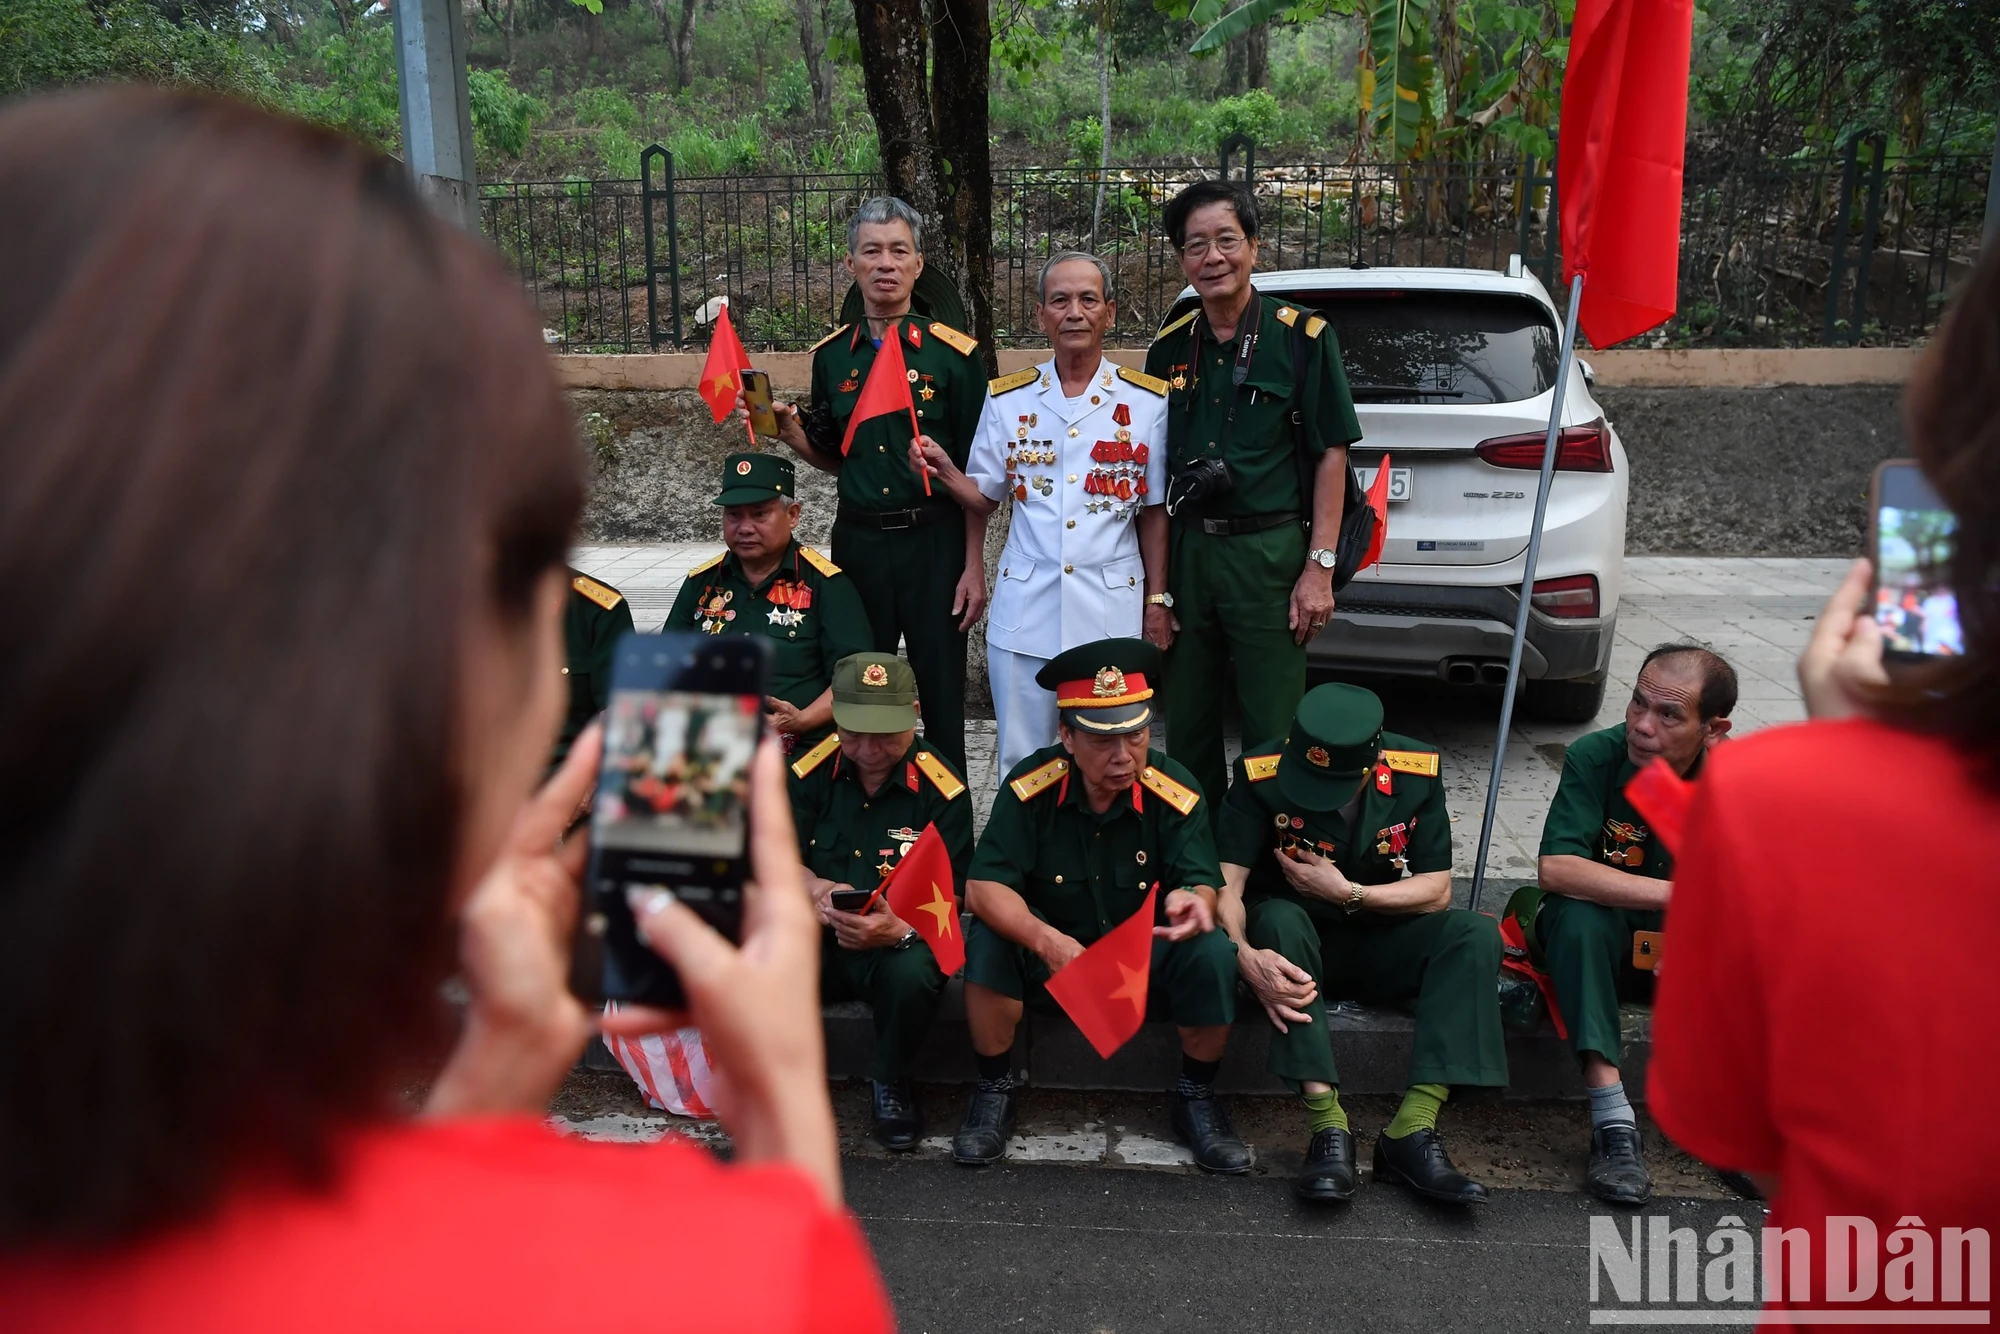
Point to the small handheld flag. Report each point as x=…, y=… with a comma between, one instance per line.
x=920, y=892
x=887, y=390
x=1663, y=797
x=1378, y=500
x=1103, y=989
x=721, y=371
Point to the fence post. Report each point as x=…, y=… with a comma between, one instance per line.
x=1878, y=147
x=1843, y=217
x=647, y=194
x=1226, y=150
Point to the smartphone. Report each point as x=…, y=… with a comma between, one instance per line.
x=851, y=900
x=1911, y=535
x=671, y=814
x=757, y=393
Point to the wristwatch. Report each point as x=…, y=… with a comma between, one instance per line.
x=1354, y=900
x=1159, y=599
x=906, y=941
x=1322, y=557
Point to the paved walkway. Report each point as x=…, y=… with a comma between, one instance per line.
x=1755, y=611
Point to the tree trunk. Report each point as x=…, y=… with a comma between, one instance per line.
x=1103, y=119
x=819, y=70
x=962, y=40
x=680, y=39
x=1257, y=57
x=894, y=57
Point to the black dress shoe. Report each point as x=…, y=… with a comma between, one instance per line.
x=1328, y=1176
x=898, y=1124
x=1418, y=1161
x=1204, y=1126
x=1617, y=1171
x=982, y=1137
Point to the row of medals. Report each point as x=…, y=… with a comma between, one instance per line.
x=1029, y=453
x=1289, y=839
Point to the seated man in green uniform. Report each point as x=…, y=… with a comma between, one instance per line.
x=595, y=617
x=1080, y=832
x=767, y=584
x=860, y=799
x=1336, y=865
x=1605, y=877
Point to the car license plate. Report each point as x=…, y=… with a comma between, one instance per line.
x=1399, y=481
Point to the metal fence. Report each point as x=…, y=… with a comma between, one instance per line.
x=1846, y=248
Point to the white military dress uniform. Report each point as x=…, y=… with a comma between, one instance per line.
x=1079, y=471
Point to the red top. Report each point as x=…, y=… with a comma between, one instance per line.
x=1830, y=989
x=484, y=1225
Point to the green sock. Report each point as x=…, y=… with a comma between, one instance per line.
x=1421, y=1105
x=1323, y=1111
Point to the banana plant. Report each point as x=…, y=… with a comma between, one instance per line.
x=1399, y=91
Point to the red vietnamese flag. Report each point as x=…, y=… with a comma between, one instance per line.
x=1663, y=797
x=887, y=389
x=1619, y=157
x=1378, y=500
x=1103, y=989
x=920, y=892
x=721, y=372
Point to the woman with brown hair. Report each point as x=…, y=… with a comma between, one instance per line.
x=1826, y=1002
x=286, y=486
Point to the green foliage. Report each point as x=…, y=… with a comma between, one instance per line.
x=501, y=115
x=699, y=151
x=57, y=43
x=1086, y=140
x=1255, y=113
x=1399, y=51
x=790, y=94
x=348, y=81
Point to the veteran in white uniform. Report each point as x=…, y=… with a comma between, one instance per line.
x=1080, y=445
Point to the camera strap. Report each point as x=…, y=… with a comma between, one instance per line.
x=1246, y=348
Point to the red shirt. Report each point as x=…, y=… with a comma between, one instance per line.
x=1830, y=990
x=484, y=1225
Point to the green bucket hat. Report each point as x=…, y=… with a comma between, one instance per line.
x=874, y=692
x=1335, y=738
x=750, y=478
x=1105, y=687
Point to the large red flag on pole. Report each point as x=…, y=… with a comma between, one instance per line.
x=1104, y=988
x=920, y=892
x=1618, y=161
x=886, y=391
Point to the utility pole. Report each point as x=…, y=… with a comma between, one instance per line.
x=437, y=111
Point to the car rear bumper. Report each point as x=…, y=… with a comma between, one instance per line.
x=1436, y=630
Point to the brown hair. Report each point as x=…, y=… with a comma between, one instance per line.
x=1952, y=414
x=269, y=431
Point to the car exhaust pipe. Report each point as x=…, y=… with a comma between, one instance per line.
x=1493, y=673
x=1461, y=671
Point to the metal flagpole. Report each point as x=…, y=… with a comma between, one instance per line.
x=1563, y=365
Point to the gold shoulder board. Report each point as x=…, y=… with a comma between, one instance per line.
x=1152, y=384
x=943, y=779
x=1287, y=316
x=709, y=564
x=815, y=757
x=1260, y=767
x=1008, y=383
x=819, y=562
x=1313, y=326
x=963, y=342
x=1423, y=762
x=1182, y=799
x=828, y=339
x=1036, y=780
x=1180, y=323
x=604, y=595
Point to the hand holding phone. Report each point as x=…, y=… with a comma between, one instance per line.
x=757, y=399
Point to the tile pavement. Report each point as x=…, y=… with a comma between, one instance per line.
x=1756, y=611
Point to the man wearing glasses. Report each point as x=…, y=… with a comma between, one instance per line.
x=1258, y=423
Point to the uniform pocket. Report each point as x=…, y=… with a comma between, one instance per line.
x=1124, y=595
x=1010, y=595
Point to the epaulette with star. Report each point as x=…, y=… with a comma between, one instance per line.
x=818, y=562
x=1007, y=384
x=942, y=778
x=815, y=757
x=1039, y=779
x=709, y=564
x=1257, y=768
x=1182, y=798
x=828, y=339
x=1289, y=315
x=965, y=343
x=1152, y=384
x=1423, y=762
x=604, y=595
x=1172, y=326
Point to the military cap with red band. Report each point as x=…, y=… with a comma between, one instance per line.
x=1105, y=687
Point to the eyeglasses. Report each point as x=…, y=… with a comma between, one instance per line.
x=1226, y=244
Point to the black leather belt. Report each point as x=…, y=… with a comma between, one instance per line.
x=889, y=521
x=1247, y=523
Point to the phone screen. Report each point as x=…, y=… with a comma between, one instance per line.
x=1913, y=605
x=671, y=813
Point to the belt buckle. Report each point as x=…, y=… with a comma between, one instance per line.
x=894, y=521
x=1217, y=527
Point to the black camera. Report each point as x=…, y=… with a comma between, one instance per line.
x=1199, y=482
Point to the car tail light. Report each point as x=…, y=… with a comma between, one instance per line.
x=1571, y=595
x=1578, y=449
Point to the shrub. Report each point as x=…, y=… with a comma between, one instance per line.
x=501, y=114
x=1255, y=113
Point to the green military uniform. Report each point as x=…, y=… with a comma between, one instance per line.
x=1232, y=587
x=595, y=617
x=855, y=838
x=905, y=550
x=1589, y=945
x=808, y=609
x=1443, y=963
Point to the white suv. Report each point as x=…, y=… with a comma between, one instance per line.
x=1452, y=372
